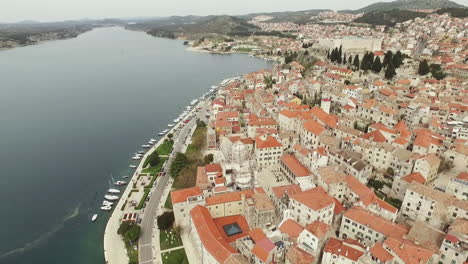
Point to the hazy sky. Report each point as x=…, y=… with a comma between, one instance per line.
x=54, y=10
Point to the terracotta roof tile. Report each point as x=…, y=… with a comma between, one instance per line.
x=316, y=198
x=180, y=196
x=295, y=165
x=291, y=227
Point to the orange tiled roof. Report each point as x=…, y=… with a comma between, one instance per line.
x=269, y=142
x=260, y=253
x=209, y=234
x=339, y=248
x=375, y=222
x=318, y=228
x=407, y=251
x=286, y=189
x=316, y=198
x=292, y=228
x=321, y=115
x=220, y=222
x=214, y=167
x=375, y=136
x=463, y=176
x=380, y=253
x=288, y=113
x=298, y=256
x=314, y=127
x=417, y=177
x=257, y=234
x=180, y=196
x=295, y=165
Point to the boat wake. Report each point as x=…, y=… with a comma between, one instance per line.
x=42, y=238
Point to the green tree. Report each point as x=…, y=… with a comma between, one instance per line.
x=390, y=71
x=268, y=80
x=387, y=58
x=350, y=59
x=133, y=233
x=437, y=72
x=423, y=68
x=180, y=162
x=208, y=158
x=377, y=66
x=356, y=62
x=124, y=227
x=397, y=60
x=166, y=220
x=153, y=159
x=170, y=136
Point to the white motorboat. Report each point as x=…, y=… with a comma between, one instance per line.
x=107, y=203
x=113, y=191
x=133, y=166
x=124, y=177
x=188, y=107
x=136, y=157
x=214, y=87
x=120, y=183
x=94, y=217
x=170, y=125
x=146, y=146
x=111, y=197
x=161, y=134
x=194, y=102
x=106, y=208
x=211, y=90
x=141, y=152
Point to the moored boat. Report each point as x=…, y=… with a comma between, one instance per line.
x=94, y=217
x=111, y=197
x=107, y=203
x=106, y=208
x=120, y=183
x=113, y=191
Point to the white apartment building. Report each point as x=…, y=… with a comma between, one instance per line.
x=432, y=206
x=311, y=205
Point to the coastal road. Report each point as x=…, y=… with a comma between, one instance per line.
x=145, y=243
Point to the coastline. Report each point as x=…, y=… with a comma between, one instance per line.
x=42, y=41
x=115, y=251
x=204, y=50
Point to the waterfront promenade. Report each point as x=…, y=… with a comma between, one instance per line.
x=114, y=247
x=149, y=240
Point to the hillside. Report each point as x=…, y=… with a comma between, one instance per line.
x=223, y=25
x=388, y=17
x=455, y=12
x=407, y=5
x=298, y=17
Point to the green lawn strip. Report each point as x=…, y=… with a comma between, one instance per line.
x=168, y=203
x=143, y=199
x=155, y=169
x=132, y=253
x=175, y=257
x=165, y=148
x=168, y=240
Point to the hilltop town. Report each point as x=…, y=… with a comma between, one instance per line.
x=351, y=149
